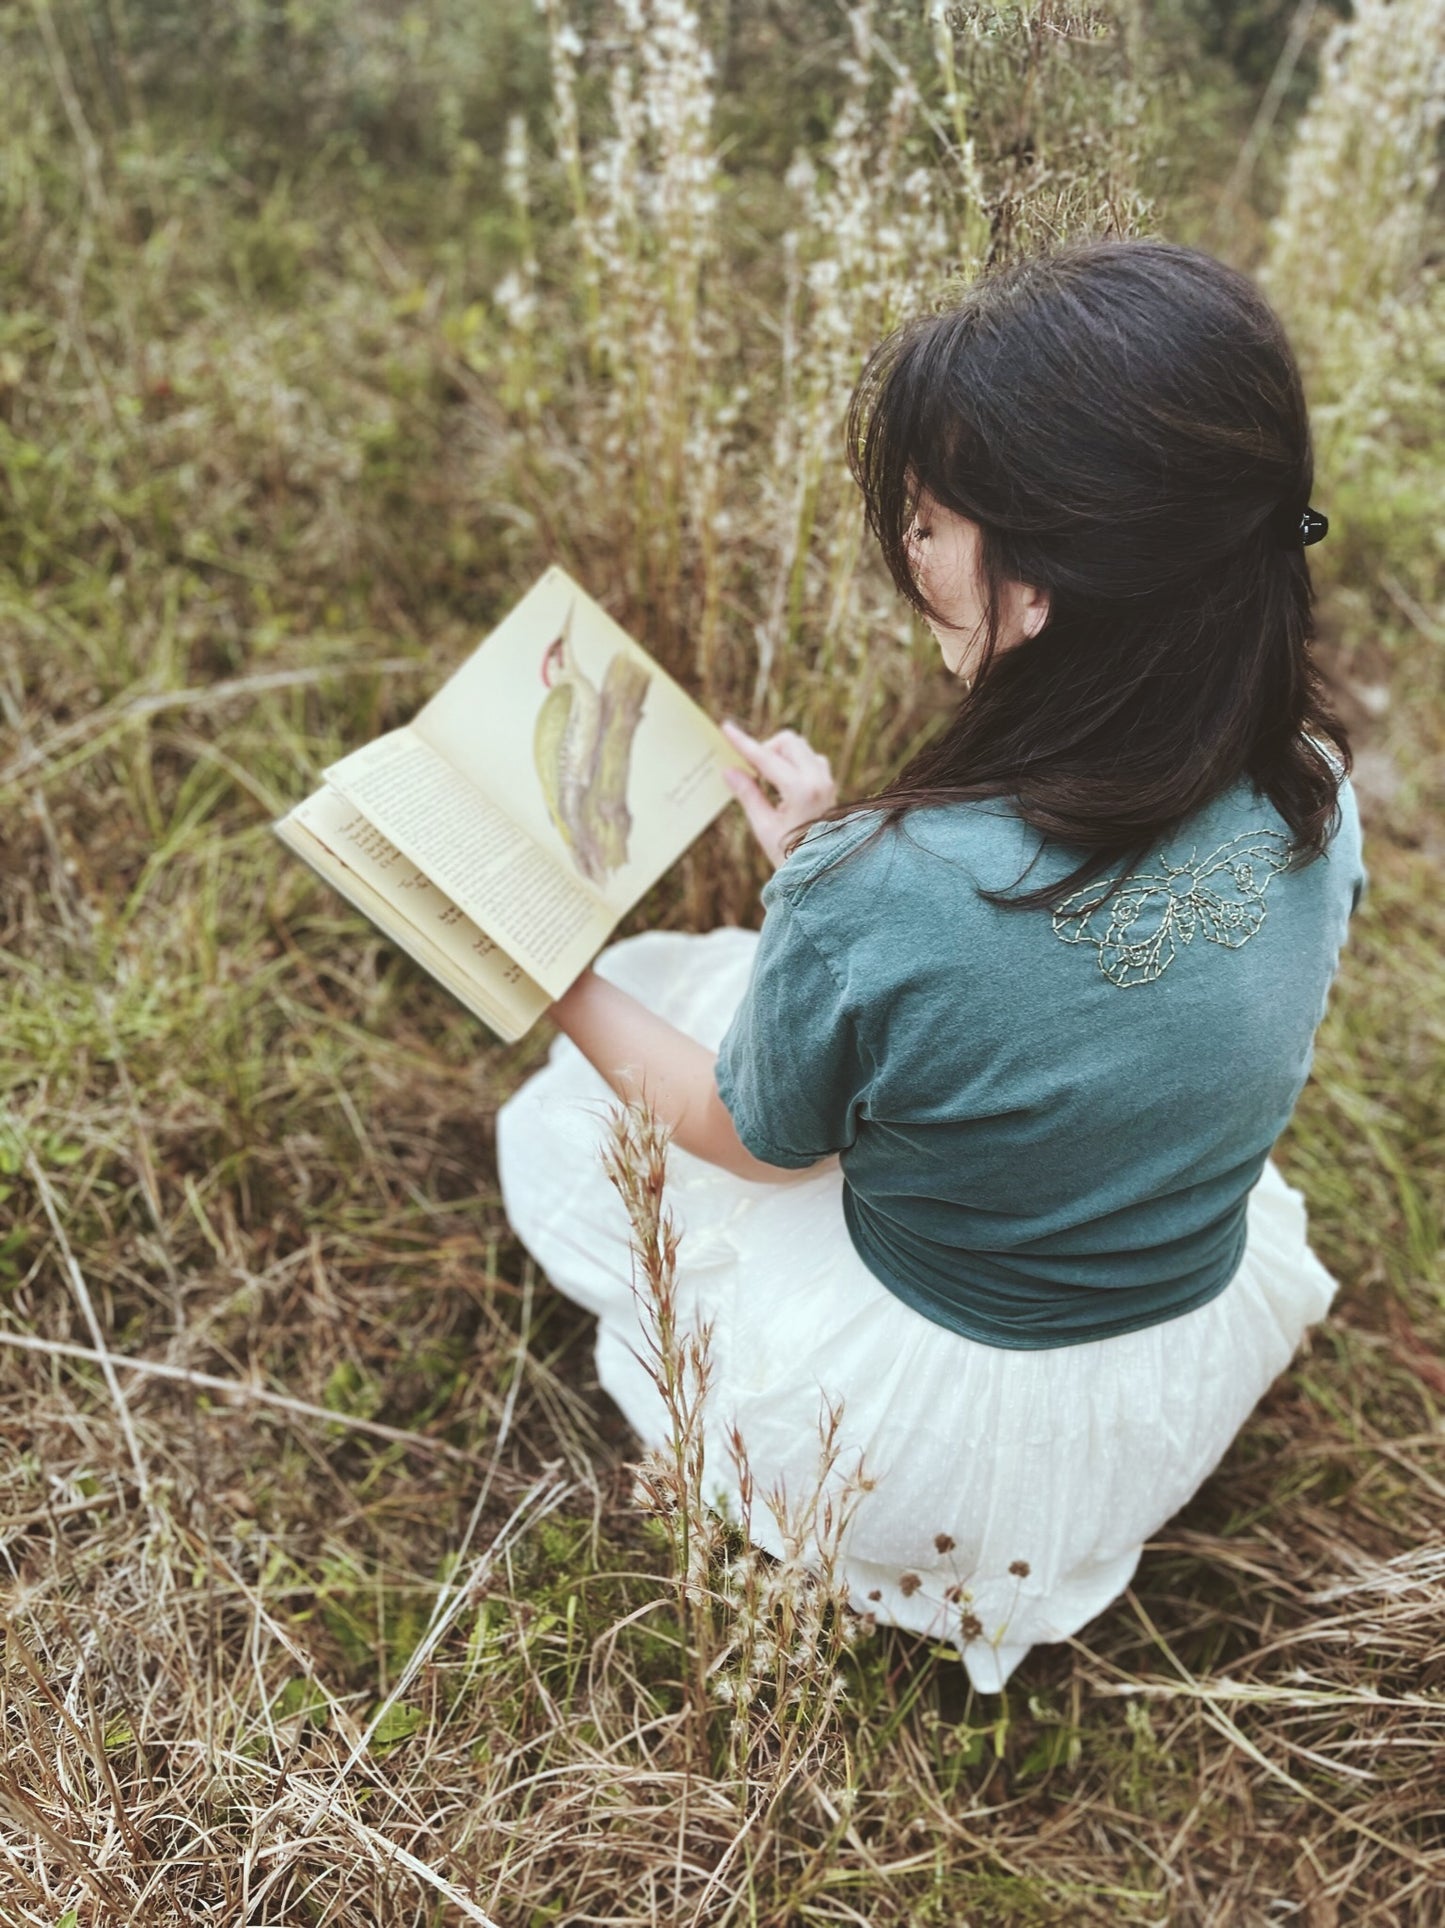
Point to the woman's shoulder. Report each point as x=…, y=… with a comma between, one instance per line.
x=1244, y=807
x=862, y=866
x=863, y=854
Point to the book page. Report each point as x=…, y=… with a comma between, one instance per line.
x=586, y=742
x=478, y=856
x=348, y=884
x=436, y=929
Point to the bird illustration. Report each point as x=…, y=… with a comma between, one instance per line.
x=582, y=745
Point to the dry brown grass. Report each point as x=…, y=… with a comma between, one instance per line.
x=326, y=1597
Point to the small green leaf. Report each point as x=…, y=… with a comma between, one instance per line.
x=299, y=1696
x=398, y=1723
x=349, y=1389
x=12, y=1246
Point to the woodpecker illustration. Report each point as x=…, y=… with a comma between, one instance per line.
x=582, y=744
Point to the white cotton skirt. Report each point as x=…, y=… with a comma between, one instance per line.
x=1011, y=1492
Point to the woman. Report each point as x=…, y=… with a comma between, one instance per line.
x=974, y=1135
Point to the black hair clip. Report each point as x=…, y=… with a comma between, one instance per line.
x=1301, y=530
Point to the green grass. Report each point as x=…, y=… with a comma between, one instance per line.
x=252, y=507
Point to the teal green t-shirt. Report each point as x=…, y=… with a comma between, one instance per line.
x=1049, y=1123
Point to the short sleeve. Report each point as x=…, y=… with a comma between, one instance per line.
x=791, y=1069
x=1353, y=841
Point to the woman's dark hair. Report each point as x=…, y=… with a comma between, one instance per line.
x=1125, y=423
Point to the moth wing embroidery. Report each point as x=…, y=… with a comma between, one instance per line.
x=1226, y=920
x=1138, y=932
x=1139, y=940
x=1245, y=856
x=1232, y=909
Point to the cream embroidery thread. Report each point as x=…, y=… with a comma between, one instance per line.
x=1139, y=930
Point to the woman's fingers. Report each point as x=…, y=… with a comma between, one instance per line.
x=763, y=756
x=796, y=751
x=762, y=816
x=748, y=794
x=813, y=768
x=802, y=778
x=785, y=751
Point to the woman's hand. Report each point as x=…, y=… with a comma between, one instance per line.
x=802, y=779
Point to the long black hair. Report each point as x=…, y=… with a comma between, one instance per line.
x=1125, y=423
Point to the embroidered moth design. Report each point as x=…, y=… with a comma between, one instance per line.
x=1138, y=932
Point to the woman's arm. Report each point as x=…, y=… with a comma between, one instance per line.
x=643, y=1056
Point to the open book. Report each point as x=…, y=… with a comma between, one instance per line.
x=501, y=836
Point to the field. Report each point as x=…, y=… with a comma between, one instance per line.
x=328, y=1589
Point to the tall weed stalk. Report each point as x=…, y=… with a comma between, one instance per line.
x=764, y=1635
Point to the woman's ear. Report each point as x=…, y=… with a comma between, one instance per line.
x=1036, y=611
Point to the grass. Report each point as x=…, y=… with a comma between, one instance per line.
x=340, y=1607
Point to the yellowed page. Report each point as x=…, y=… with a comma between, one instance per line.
x=508, y=1025
x=583, y=739
x=480, y=983
x=477, y=855
x=441, y=925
